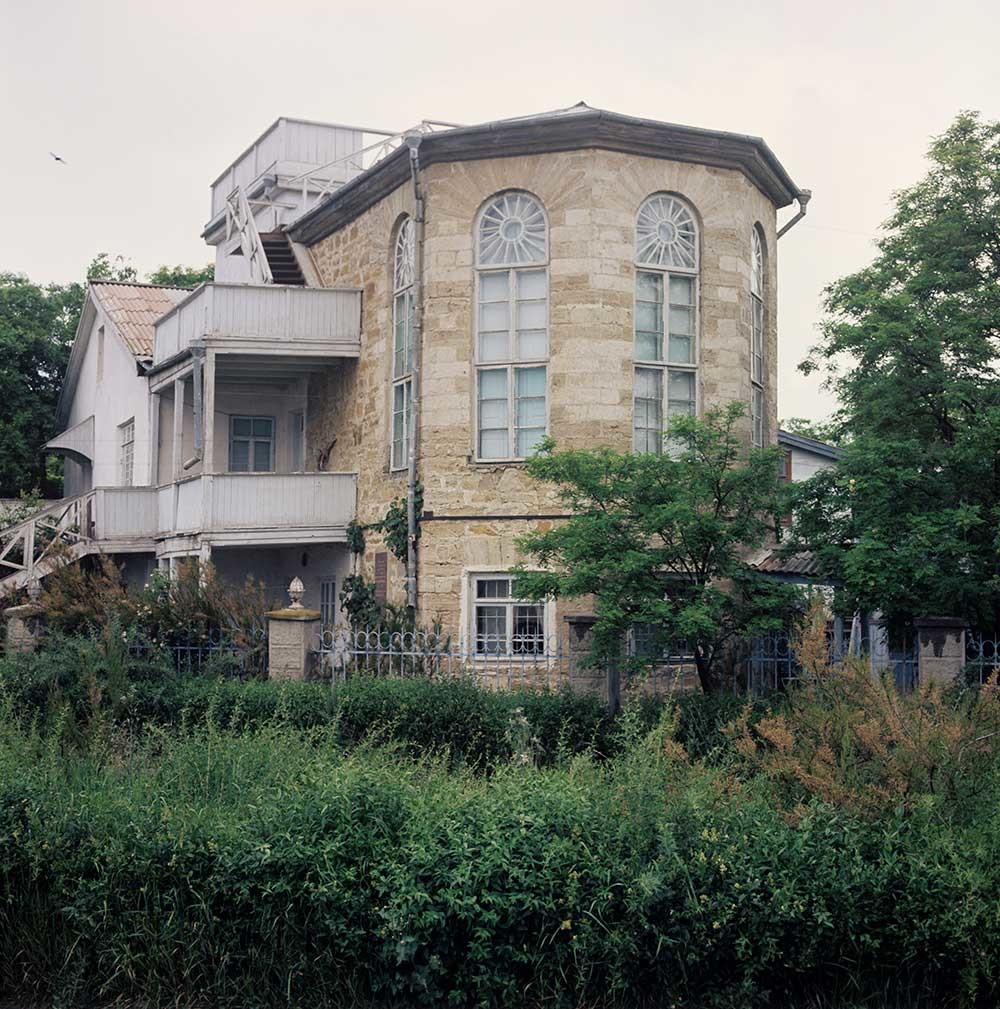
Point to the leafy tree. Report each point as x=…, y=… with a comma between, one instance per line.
x=661, y=541
x=104, y=266
x=36, y=329
x=827, y=431
x=909, y=521
x=183, y=276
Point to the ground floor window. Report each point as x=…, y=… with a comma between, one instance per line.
x=503, y=624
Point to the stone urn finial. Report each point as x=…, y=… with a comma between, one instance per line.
x=296, y=590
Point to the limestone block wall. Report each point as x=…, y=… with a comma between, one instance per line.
x=591, y=198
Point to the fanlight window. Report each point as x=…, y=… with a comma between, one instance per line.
x=512, y=231
x=666, y=235
x=403, y=263
x=757, y=266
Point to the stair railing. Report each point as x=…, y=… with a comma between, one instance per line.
x=239, y=217
x=29, y=549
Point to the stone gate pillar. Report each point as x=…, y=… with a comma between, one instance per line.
x=941, y=648
x=291, y=635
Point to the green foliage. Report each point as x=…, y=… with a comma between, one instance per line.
x=662, y=540
x=36, y=329
x=826, y=431
x=907, y=522
x=183, y=276
x=395, y=526
x=355, y=537
x=104, y=266
x=268, y=867
x=358, y=600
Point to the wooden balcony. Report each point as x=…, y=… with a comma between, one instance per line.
x=267, y=319
x=229, y=508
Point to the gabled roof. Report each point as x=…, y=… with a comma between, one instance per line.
x=134, y=308
x=574, y=128
x=809, y=445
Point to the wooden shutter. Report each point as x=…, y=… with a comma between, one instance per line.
x=381, y=576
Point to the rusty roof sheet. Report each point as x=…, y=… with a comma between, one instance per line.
x=134, y=309
x=802, y=564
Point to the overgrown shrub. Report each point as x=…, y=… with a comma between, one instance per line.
x=267, y=868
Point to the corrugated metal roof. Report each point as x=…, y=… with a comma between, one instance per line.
x=134, y=309
x=772, y=562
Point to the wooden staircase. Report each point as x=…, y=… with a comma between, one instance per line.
x=281, y=259
x=55, y=535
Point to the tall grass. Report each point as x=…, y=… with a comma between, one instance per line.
x=195, y=864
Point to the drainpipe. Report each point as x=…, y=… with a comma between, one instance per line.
x=199, y=440
x=413, y=143
x=803, y=196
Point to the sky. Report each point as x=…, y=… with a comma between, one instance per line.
x=148, y=103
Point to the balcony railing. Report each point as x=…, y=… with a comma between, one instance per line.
x=266, y=317
x=224, y=503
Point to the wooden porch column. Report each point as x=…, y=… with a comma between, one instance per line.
x=154, y=439
x=178, y=453
x=208, y=412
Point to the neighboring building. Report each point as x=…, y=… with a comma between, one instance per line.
x=578, y=274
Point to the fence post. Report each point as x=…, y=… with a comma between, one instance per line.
x=941, y=648
x=291, y=633
x=24, y=627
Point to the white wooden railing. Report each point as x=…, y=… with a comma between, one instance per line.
x=29, y=549
x=308, y=318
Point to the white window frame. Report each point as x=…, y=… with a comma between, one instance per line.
x=508, y=602
x=401, y=385
x=758, y=329
x=512, y=362
x=126, y=452
x=252, y=440
x=663, y=366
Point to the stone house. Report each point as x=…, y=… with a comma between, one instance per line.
x=421, y=311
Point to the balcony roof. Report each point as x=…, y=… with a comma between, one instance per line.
x=575, y=128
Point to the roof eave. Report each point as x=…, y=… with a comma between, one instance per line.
x=594, y=128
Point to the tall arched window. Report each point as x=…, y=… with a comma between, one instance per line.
x=402, y=342
x=512, y=327
x=666, y=317
x=757, y=336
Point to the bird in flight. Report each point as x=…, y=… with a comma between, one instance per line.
x=56, y=157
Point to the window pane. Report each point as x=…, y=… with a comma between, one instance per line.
x=531, y=315
x=492, y=588
x=531, y=284
x=532, y=343
x=681, y=350
x=494, y=316
x=261, y=456
x=493, y=413
x=493, y=346
x=262, y=427
x=241, y=427
x=649, y=286
x=528, y=439
x=239, y=457
x=494, y=286
x=493, y=384
x=493, y=444
x=681, y=320
x=491, y=630
x=648, y=317
x=528, y=636
x=531, y=382
x=648, y=347
x=680, y=392
x=682, y=290
x=648, y=410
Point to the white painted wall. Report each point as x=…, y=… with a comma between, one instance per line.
x=112, y=397
x=805, y=464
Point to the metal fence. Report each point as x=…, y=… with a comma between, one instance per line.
x=237, y=653
x=982, y=656
x=772, y=663
x=526, y=661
